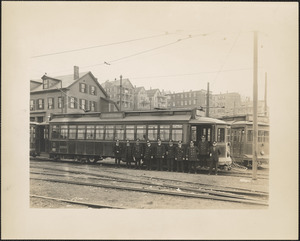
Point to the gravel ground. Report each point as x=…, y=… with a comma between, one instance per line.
x=133, y=199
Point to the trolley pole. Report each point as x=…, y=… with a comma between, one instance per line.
x=120, y=92
x=255, y=127
x=207, y=101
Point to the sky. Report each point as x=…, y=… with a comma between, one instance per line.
x=175, y=46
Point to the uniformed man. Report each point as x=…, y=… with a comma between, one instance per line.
x=148, y=155
x=137, y=153
x=118, y=153
x=214, y=158
x=179, y=156
x=191, y=157
x=128, y=154
x=203, y=147
x=170, y=153
x=159, y=155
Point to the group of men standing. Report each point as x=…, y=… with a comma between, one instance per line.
x=177, y=158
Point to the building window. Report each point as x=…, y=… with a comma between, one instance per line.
x=60, y=102
x=32, y=107
x=45, y=84
x=83, y=104
x=93, y=105
x=185, y=102
x=93, y=90
x=50, y=103
x=40, y=104
x=194, y=102
x=82, y=88
x=72, y=103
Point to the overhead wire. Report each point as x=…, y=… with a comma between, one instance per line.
x=101, y=45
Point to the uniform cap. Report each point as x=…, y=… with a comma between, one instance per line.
x=202, y=136
x=214, y=142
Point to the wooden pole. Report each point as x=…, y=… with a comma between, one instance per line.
x=255, y=90
x=266, y=107
x=120, y=92
x=207, y=101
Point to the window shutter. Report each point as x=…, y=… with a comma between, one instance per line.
x=95, y=106
x=69, y=102
x=86, y=105
x=95, y=91
x=42, y=104
x=53, y=105
x=79, y=87
x=75, y=103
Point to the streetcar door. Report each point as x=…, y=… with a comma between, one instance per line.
x=198, y=131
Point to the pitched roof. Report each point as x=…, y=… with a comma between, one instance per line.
x=108, y=83
x=151, y=92
x=66, y=80
x=138, y=89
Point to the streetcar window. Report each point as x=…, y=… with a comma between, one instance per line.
x=109, y=134
x=54, y=131
x=90, y=132
x=266, y=136
x=260, y=136
x=129, y=132
x=81, y=132
x=177, y=132
x=141, y=132
x=249, y=135
x=64, y=132
x=208, y=134
x=221, y=135
x=72, y=132
x=100, y=132
x=119, y=132
x=228, y=135
x=164, y=132
x=194, y=133
x=152, y=132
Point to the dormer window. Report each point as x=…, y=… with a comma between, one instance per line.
x=45, y=83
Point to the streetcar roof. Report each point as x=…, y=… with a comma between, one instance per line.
x=206, y=120
x=248, y=123
x=125, y=119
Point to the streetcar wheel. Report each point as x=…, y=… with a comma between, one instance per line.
x=92, y=160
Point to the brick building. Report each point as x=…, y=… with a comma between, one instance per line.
x=78, y=92
x=189, y=99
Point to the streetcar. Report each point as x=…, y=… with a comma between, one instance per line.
x=33, y=144
x=91, y=136
x=241, y=139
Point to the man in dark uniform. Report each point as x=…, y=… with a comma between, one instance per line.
x=214, y=158
x=159, y=155
x=128, y=154
x=137, y=153
x=118, y=153
x=179, y=156
x=148, y=155
x=203, y=147
x=170, y=153
x=191, y=157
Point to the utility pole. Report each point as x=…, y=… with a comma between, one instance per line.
x=207, y=101
x=255, y=127
x=120, y=92
x=266, y=108
x=61, y=96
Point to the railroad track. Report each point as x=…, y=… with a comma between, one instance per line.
x=92, y=205
x=107, y=181
x=220, y=172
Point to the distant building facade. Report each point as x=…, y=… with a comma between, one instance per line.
x=78, y=92
x=189, y=99
x=120, y=92
x=156, y=98
x=141, y=100
x=224, y=104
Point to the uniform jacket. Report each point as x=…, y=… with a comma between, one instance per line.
x=215, y=152
x=170, y=152
x=117, y=151
x=148, y=152
x=128, y=151
x=160, y=151
x=137, y=151
x=179, y=153
x=203, y=148
x=192, y=153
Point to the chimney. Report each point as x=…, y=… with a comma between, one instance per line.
x=76, y=72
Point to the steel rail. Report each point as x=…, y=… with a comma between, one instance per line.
x=156, y=191
x=94, y=205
